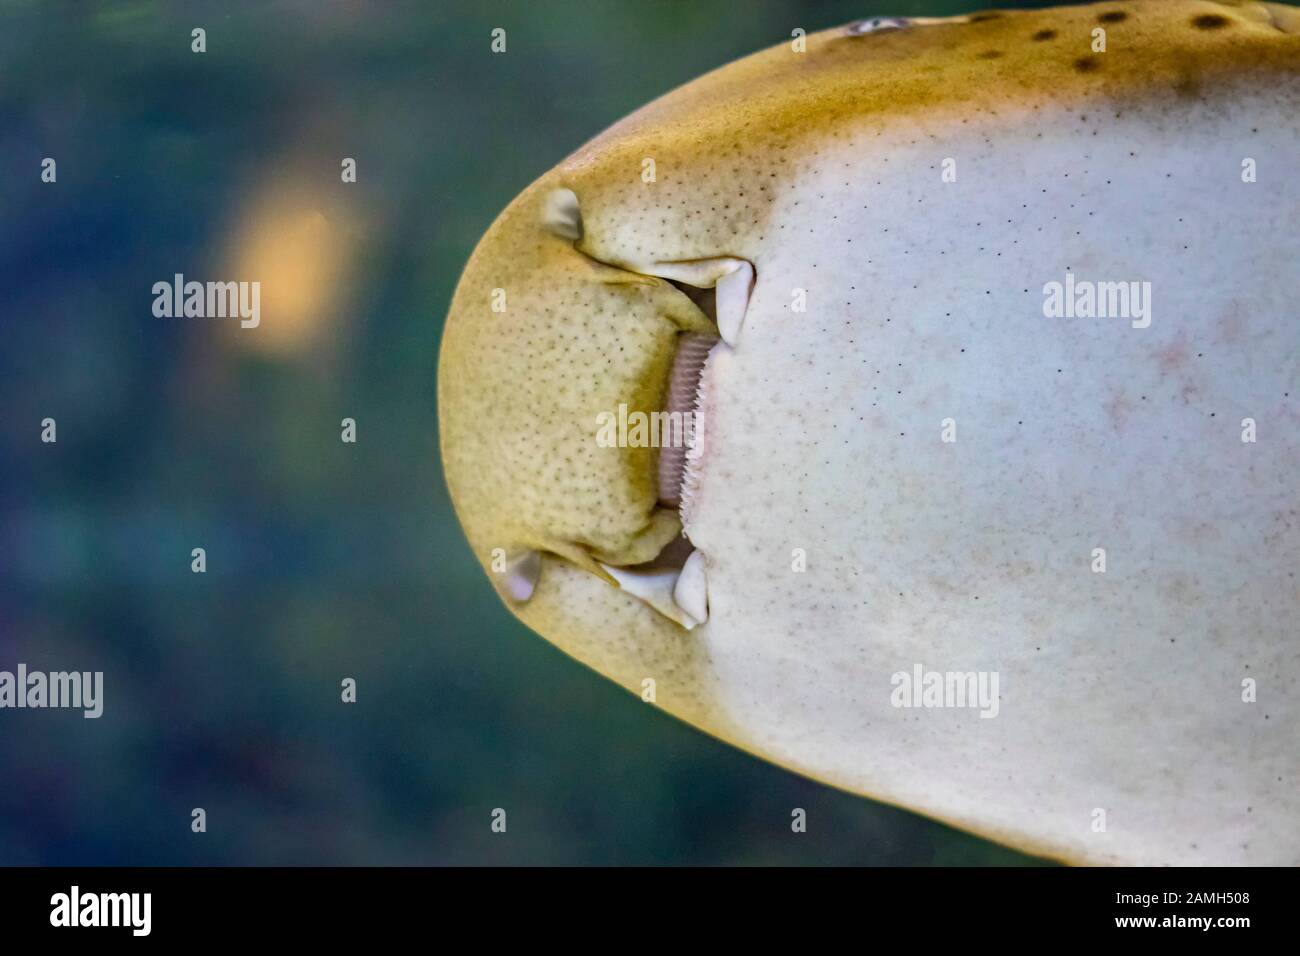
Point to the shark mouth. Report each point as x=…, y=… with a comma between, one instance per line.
x=683, y=403
x=674, y=582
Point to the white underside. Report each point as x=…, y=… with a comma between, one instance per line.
x=1119, y=691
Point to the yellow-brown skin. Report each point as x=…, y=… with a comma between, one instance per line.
x=519, y=391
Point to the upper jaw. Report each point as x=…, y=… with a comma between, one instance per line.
x=543, y=340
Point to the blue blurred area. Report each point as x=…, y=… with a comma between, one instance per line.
x=325, y=560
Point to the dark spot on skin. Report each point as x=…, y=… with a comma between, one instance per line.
x=980, y=17
x=1045, y=35
x=990, y=54
x=1113, y=16
x=1087, y=64
x=1210, y=21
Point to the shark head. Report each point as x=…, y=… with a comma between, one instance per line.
x=835, y=254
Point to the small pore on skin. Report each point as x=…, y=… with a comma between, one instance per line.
x=1112, y=16
x=1042, y=35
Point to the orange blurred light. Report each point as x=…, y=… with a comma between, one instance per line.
x=297, y=246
